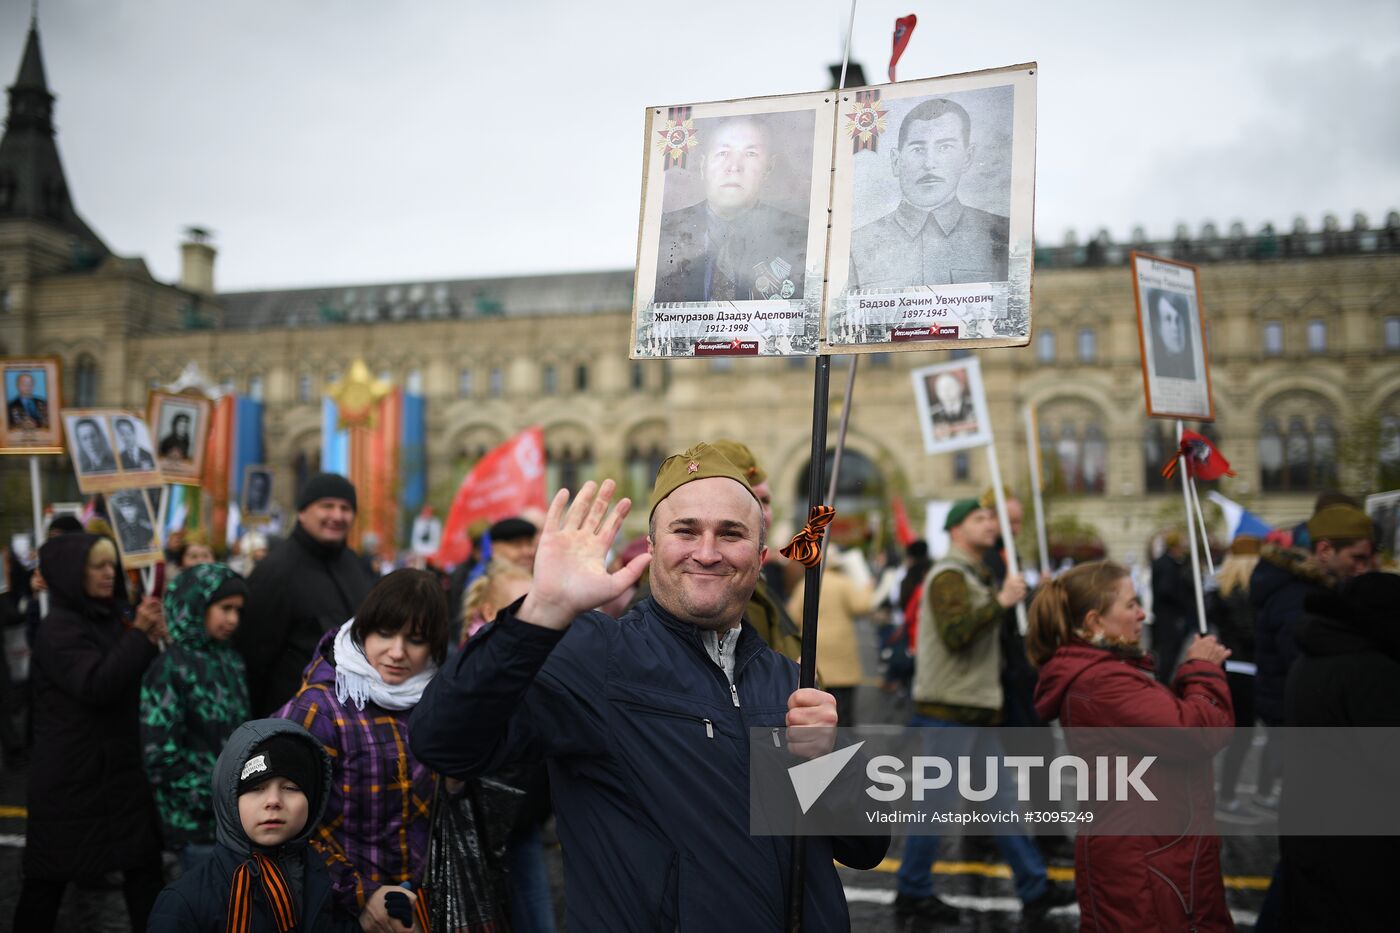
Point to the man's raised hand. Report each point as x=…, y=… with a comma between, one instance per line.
x=571, y=574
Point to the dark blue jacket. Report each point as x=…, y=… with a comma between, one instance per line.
x=198, y=900
x=1280, y=583
x=647, y=745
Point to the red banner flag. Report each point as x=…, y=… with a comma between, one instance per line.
x=218, y=454
x=1203, y=461
x=503, y=483
x=903, y=532
x=903, y=29
x=382, y=479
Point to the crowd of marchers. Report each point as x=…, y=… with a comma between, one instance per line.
x=313, y=742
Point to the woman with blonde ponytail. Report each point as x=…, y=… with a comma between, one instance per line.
x=1085, y=636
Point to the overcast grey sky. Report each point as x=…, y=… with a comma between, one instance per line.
x=355, y=141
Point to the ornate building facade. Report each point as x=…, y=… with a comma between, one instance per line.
x=1304, y=340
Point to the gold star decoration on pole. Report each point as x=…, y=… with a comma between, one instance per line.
x=357, y=396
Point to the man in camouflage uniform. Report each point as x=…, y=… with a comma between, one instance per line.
x=957, y=683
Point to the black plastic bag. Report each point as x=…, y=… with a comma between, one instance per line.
x=464, y=878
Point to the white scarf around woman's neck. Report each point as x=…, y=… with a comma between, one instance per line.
x=357, y=680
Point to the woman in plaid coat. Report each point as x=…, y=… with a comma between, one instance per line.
x=356, y=697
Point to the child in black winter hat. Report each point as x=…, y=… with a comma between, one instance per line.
x=270, y=787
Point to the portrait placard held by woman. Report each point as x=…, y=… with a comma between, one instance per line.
x=90, y=807
x=1085, y=636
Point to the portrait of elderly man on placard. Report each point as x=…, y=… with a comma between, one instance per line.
x=28, y=408
x=735, y=245
x=1170, y=323
x=931, y=237
x=951, y=408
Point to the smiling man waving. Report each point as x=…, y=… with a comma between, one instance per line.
x=644, y=720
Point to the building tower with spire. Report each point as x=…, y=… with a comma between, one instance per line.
x=36, y=206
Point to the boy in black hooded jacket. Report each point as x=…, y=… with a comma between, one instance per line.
x=270, y=787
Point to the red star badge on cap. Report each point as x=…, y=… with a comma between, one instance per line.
x=692, y=467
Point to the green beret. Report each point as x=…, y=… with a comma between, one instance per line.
x=699, y=462
x=740, y=455
x=960, y=510
x=1339, y=522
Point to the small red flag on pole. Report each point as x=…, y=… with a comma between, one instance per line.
x=903, y=29
x=1203, y=461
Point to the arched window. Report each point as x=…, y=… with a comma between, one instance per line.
x=1389, y=451
x=255, y=387
x=646, y=447
x=859, y=489
x=1297, y=453
x=1073, y=447
x=1298, y=444
x=1156, y=447
x=1094, y=468
x=581, y=377
x=464, y=382
x=568, y=467
x=1270, y=456
x=549, y=379
x=1324, y=451
x=85, y=383
x=1045, y=346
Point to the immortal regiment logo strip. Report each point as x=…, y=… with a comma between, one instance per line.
x=865, y=124
x=678, y=137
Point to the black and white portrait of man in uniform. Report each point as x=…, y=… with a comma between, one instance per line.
x=734, y=245
x=931, y=237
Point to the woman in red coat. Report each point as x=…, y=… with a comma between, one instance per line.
x=1085, y=627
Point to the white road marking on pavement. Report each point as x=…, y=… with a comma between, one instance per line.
x=1001, y=904
x=17, y=842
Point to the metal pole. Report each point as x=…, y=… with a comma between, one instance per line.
x=1201, y=524
x=1190, y=533
x=36, y=498
x=841, y=430
x=1013, y=566
x=807, y=671
x=1042, y=538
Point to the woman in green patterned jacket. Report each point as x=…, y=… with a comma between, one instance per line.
x=192, y=698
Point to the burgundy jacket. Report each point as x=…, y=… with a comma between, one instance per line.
x=1165, y=882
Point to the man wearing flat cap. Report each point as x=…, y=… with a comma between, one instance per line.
x=1341, y=547
x=308, y=584
x=644, y=720
x=957, y=681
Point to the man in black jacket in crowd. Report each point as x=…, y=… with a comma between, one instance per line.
x=1346, y=678
x=308, y=584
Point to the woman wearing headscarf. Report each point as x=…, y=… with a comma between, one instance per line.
x=356, y=697
x=1084, y=635
x=90, y=807
x=192, y=698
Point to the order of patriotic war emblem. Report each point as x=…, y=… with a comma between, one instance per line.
x=936, y=247
x=729, y=255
